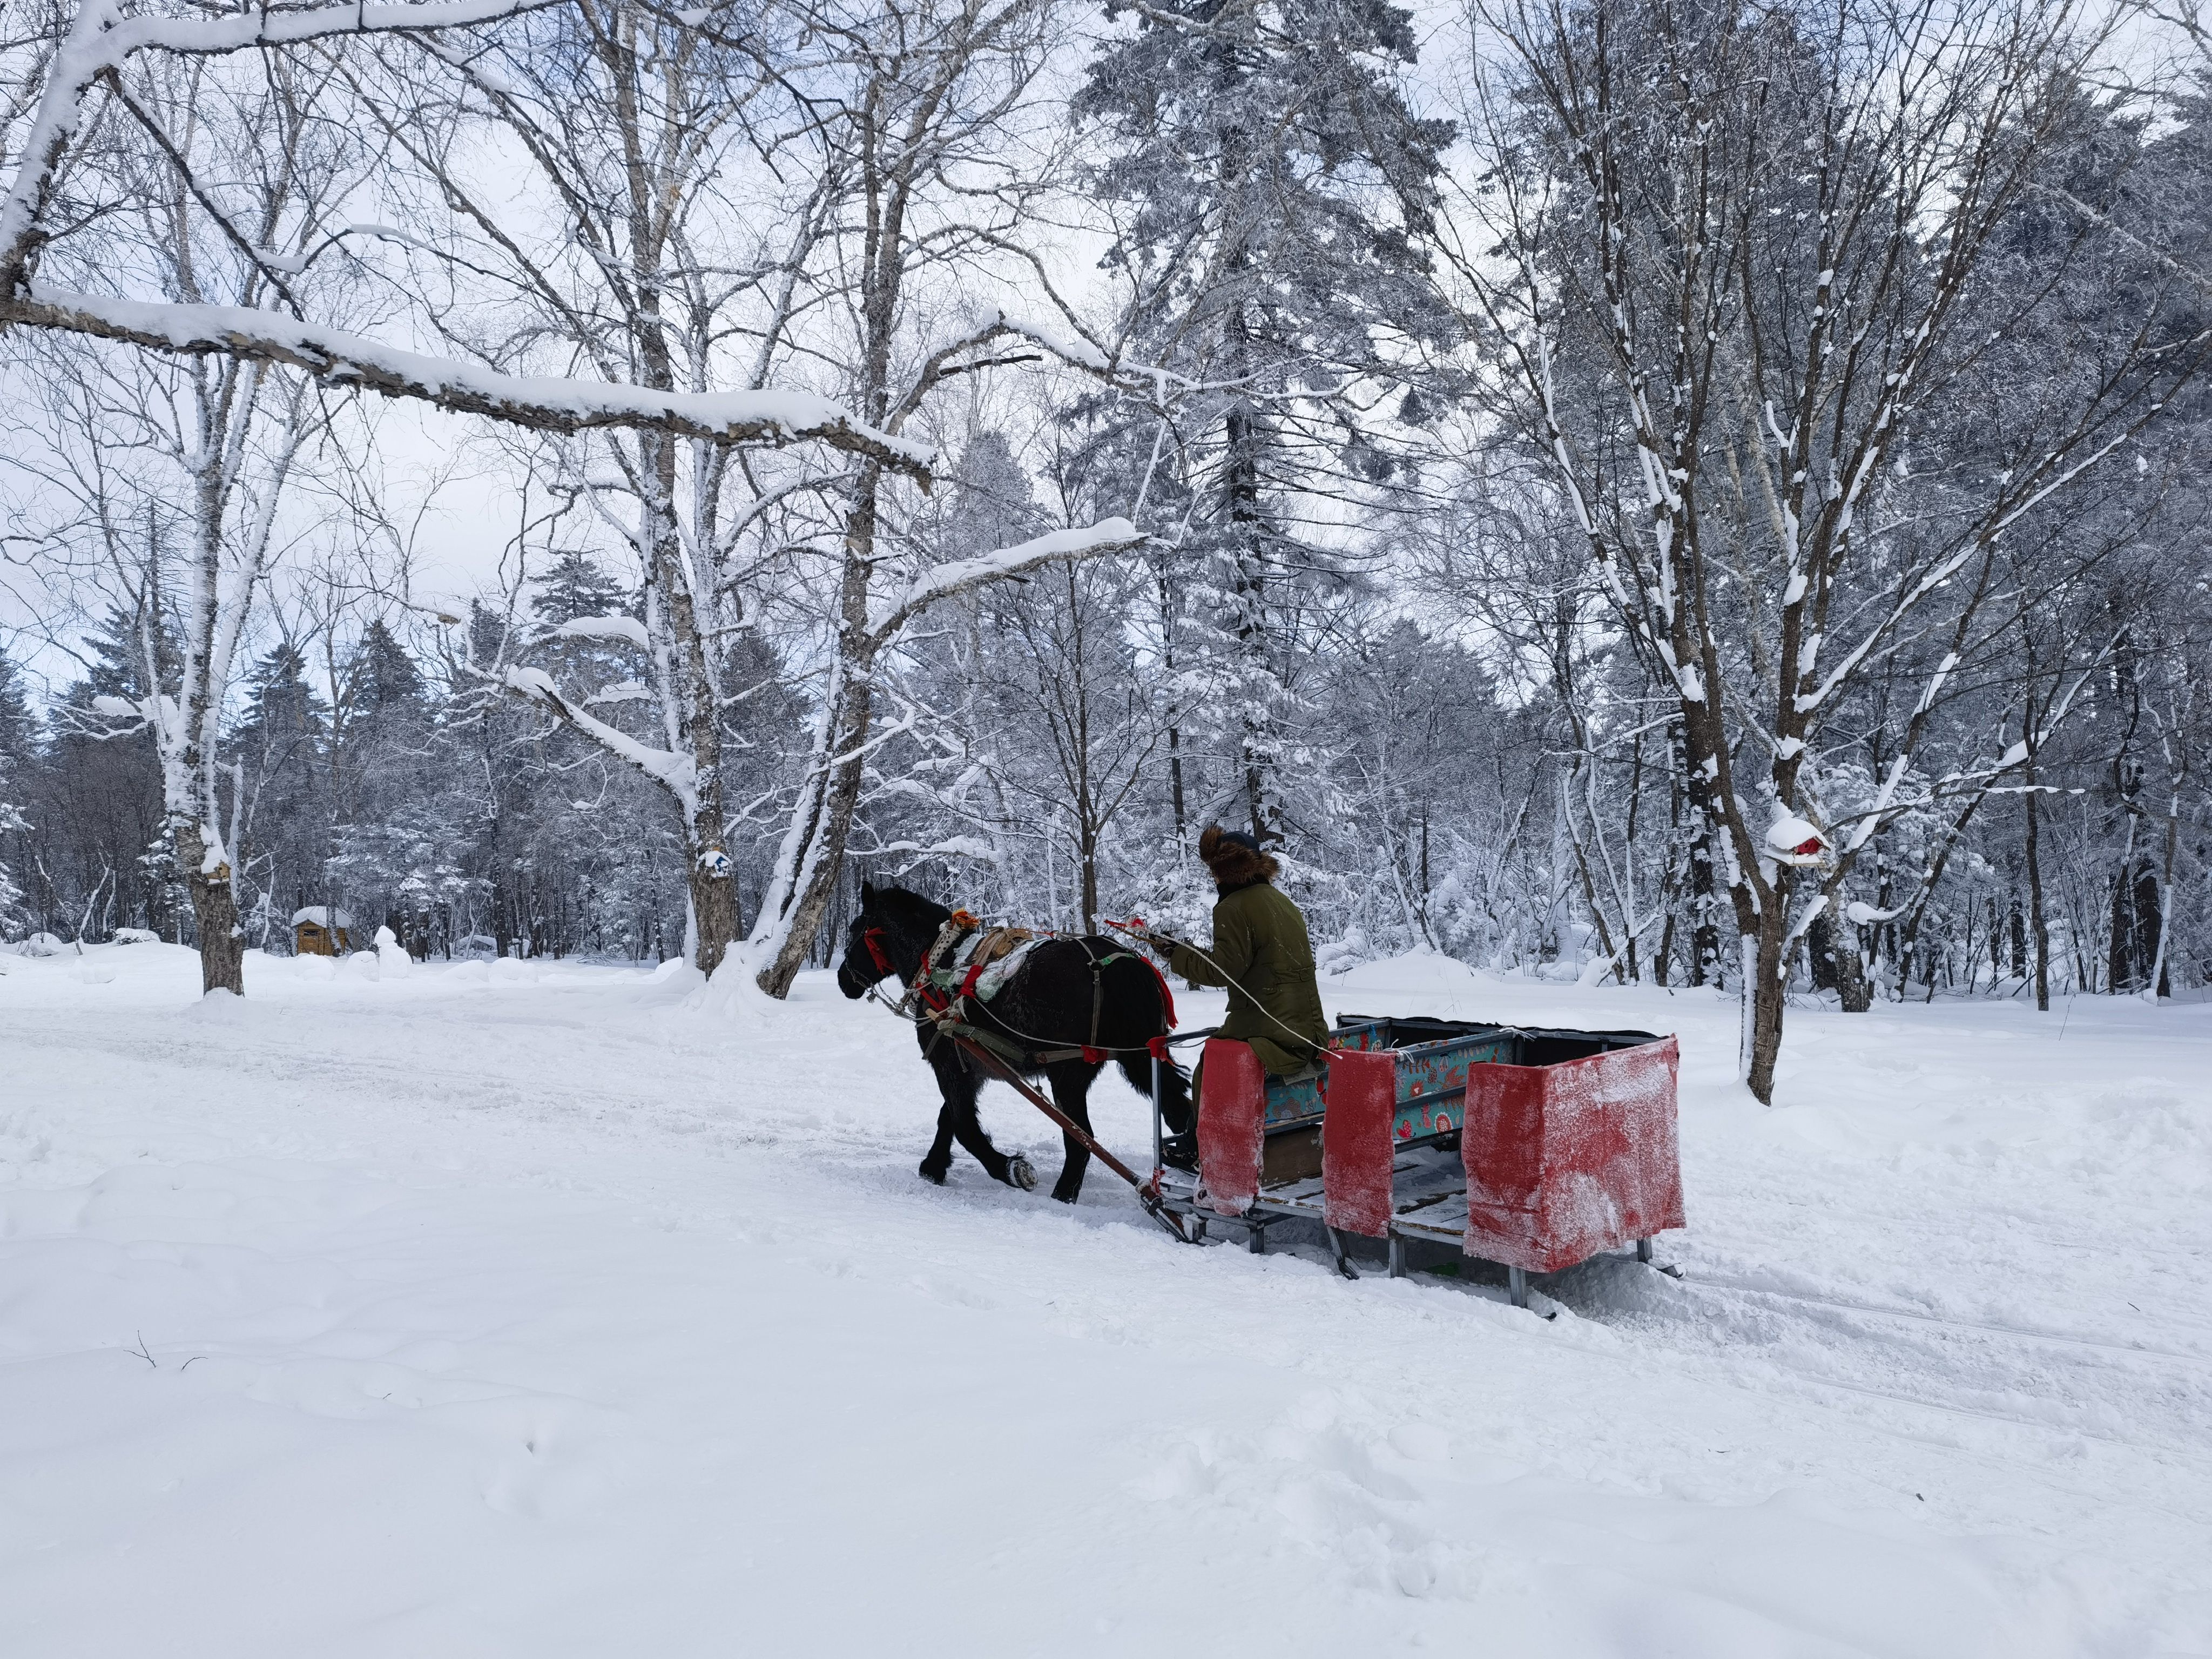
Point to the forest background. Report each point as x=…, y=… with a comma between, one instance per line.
x=1703, y=495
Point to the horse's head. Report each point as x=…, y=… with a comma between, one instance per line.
x=888, y=937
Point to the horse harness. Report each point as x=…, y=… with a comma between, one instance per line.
x=950, y=986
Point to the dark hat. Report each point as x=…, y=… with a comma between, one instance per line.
x=1234, y=857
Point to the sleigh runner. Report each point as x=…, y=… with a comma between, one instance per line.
x=1534, y=1149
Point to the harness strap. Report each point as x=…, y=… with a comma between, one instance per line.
x=939, y=997
x=1097, y=1002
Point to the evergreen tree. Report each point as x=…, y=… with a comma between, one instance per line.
x=382, y=679
x=1274, y=186
x=99, y=805
x=284, y=707
x=19, y=727
x=382, y=766
x=575, y=586
x=18, y=749
x=284, y=826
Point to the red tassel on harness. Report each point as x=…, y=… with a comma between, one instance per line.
x=1158, y=1044
x=1166, y=995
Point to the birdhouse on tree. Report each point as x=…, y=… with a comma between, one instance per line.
x=319, y=931
x=1791, y=840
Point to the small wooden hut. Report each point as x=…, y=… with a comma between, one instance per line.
x=319, y=931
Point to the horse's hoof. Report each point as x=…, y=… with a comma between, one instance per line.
x=1021, y=1173
x=934, y=1177
x=1066, y=1198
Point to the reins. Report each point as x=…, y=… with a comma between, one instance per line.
x=1136, y=926
x=1148, y=1192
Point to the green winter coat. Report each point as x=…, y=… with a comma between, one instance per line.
x=1260, y=943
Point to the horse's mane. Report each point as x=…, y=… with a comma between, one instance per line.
x=909, y=905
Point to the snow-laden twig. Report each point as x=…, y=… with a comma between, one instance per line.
x=537, y=403
x=1088, y=541
x=674, y=772
x=628, y=629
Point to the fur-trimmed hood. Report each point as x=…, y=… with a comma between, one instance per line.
x=1235, y=857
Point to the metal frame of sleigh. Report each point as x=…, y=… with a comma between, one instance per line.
x=1534, y=1149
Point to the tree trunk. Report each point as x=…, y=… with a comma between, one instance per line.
x=1166, y=595
x=1090, y=881
x=1255, y=715
x=815, y=853
x=817, y=879
x=1832, y=950
x=2144, y=927
x=2160, y=983
x=1763, y=992
x=1820, y=953
x=2037, y=916
x=1852, y=985
x=1705, y=932
x=713, y=891
x=214, y=911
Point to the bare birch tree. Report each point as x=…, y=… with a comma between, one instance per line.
x=1743, y=251
x=175, y=470
x=918, y=109
x=650, y=143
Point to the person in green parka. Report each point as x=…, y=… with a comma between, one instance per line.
x=1260, y=954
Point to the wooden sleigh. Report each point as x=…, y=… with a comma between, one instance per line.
x=1534, y=1149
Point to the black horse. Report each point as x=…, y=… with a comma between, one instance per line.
x=1050, y=1002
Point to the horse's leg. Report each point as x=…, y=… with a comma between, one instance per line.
x=956, y=1086
x=968, y=1128
x=1071, y=1093
x=937, y=1162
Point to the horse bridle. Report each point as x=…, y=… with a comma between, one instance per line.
x=873, y=938
x=904, y=1007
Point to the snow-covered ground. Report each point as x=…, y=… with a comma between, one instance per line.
x=488, y=1310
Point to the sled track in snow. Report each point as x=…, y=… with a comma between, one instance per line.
x=2101, y=1386
x=1950, y=1322
x=1912, y=1219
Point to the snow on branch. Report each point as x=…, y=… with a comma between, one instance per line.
x=539, y=403
x=1079, y=352
x=954, y=847
x=1107, y=536
x=628, y=629
x=673, y=771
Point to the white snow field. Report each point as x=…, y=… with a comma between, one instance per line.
x=494, y=1311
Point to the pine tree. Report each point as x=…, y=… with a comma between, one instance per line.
x=18, y=748
x=284, y=834
x=575, y=586
x=103, y=801
x=283, y=707
x=1275, y=185
x=382, y=679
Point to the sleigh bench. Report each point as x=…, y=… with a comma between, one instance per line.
x=1534, y=1149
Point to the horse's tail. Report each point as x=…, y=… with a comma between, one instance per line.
x=1137, y=1064
x=1174, y=1087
